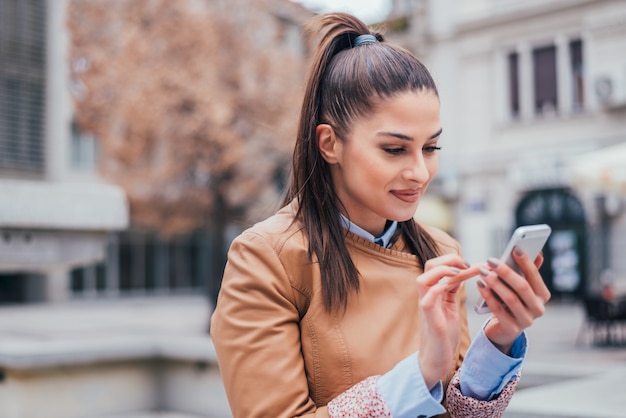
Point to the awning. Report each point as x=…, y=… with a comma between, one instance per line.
x=62, y=205
x=603, y=170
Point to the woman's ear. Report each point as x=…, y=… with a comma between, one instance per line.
x=326, y=142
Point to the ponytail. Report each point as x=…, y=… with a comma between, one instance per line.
x=352, y=68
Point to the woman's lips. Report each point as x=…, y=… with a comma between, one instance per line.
x=409, y=196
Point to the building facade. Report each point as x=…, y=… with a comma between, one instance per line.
x=61, y=225
x=55, y=213
x=65, y=234
x=529, y=90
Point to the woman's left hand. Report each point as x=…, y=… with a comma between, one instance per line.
x=515, y=300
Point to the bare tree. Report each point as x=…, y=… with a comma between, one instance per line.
x=194, y=103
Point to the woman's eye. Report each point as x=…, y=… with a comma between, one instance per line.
x=431, y=149
x=394, y=151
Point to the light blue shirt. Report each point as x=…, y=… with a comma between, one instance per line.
x=485, y=371
x=384, y=239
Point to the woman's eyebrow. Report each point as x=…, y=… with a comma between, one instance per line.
x=438, y=133
x=395, y=135
x=406, y=137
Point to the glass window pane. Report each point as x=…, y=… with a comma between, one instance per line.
x=514, y=104
x=577, y=68
x=544, y=63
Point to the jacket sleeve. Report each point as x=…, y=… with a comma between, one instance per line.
x=255, y=330
x=256, y=333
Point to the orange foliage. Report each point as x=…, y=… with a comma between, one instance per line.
x=194, y=102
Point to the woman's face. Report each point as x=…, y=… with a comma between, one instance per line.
x=382, y=169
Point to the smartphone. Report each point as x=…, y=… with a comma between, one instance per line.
x=531, y=239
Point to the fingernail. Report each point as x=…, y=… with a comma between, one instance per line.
x=483, y=271
x=518, y=251
x=444, y=281
x=493, y=262
x=455, y=270
x=481, y=284
x=468, y=265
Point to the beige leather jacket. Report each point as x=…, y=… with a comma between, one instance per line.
x=281, y=354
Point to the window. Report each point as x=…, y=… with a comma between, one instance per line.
x=544, y=71
x=514, y=102
x=577, y=70
x=143, y=263
x=552, y=68
x=22, y=85
x=84, y=150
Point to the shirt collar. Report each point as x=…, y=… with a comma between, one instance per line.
x=384, y=239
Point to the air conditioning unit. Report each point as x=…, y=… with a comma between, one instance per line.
x=611, y=91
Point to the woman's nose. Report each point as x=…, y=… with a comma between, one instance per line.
x=418, y=171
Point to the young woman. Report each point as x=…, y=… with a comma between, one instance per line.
x=341, y=305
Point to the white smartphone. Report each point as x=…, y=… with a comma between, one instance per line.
x=531, y=239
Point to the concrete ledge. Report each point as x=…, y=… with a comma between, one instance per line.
x=113, y=358
x=62, y=205
x=37, y=250
x=31, y=355
x=111, y=376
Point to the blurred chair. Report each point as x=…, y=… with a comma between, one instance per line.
x=605, y=321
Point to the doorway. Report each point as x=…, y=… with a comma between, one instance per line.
x=565, y=255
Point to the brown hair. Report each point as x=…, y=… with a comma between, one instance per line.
x=344, y=84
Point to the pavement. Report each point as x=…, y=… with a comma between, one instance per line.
x=563, y=376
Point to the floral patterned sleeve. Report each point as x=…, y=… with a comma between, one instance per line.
x=360, y=401
x=459, y=405
x=363, y=401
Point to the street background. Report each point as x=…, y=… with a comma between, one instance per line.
x=138, y=138
x=563, y=376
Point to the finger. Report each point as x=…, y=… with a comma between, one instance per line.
x=514, y=320
x=439, y=301
x=458, y=278
x=430, y=292
x=466, y=273
x=449, y=279
x=453, y=283
x=431, y=296
x=448, y=260
x=443, y=282
x=497, y=307
x=509, y=304
x=539, y=260
x=514, y=292
x=435, y=274
x=528, y=285
x=531, y=273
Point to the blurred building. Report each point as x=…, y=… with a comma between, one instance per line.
x=55, y=213
x=530, y=92
x=66, y=234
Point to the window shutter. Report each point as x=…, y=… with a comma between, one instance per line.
x=22, y=85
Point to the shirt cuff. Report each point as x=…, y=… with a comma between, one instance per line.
x=486, y=370
x=404, y=391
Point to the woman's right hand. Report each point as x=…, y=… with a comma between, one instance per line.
x=439, y=327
